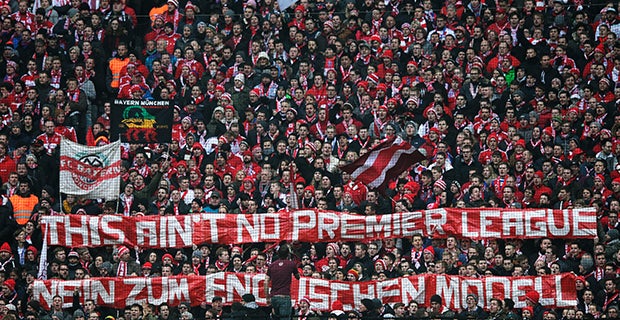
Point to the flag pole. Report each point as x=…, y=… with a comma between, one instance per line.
x=293, y=194
x=43, y=262
x=118, y=200
x=59, y=183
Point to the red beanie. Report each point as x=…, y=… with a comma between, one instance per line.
x=382, y=262
x=430, y=249
x=540, y=174
x=10, y=283
x=6, y=248
x=167, y=255
x=532, y=296
x=337, y=305
x=33, y=249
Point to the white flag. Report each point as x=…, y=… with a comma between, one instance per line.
x=284, y=4
x=94, y=172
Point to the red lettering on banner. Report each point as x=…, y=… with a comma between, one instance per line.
x=314, y=226
x=556, y=290
x=90, y=172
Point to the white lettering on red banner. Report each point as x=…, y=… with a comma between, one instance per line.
x=556, y=291
x=315, y=226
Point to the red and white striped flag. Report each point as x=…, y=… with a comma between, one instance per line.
x=384, y=162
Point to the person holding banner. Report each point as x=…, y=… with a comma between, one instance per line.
x=278, y=283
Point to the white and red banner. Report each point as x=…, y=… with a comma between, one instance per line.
x=315, y=226
x=90, y=171
x=384, y=162
x=556, y=291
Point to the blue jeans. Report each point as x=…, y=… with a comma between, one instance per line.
x=282, y=307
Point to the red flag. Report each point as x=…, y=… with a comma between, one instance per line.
x=384, y=162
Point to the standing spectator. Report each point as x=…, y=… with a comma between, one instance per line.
x=24, y=202
x=278, y=283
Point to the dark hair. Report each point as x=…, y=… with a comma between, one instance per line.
x=284, y=251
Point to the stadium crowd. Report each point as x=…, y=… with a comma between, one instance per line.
x=513, y=103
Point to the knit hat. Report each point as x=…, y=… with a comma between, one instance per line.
x=440, y=184
x=122, y=250
x=174, y=2
x=430, y=249
x=337, y=305
x=587, y=262
x=5, y=248
x=10, y=283
x=240, y=77
x=78, y=314
x=532, y=296
x=369, y=304
x=530, y=309
x=306, y=299
x=248, y=297
x=226, y=96
x=436, y=298
x=147, y=265
x=354, y=273
x=33, y=249
x=473, y=296
x=335, y=247
x=73, y=254
x=540, y=174
x=373, y=78
x=382, y=263
x=197, y=253
x=167, y=255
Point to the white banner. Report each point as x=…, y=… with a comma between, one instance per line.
x=90, y=171
x=284, y=4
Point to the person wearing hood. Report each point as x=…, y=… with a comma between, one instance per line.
x=369, y=309
x=251, y=308
x=532, y=300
